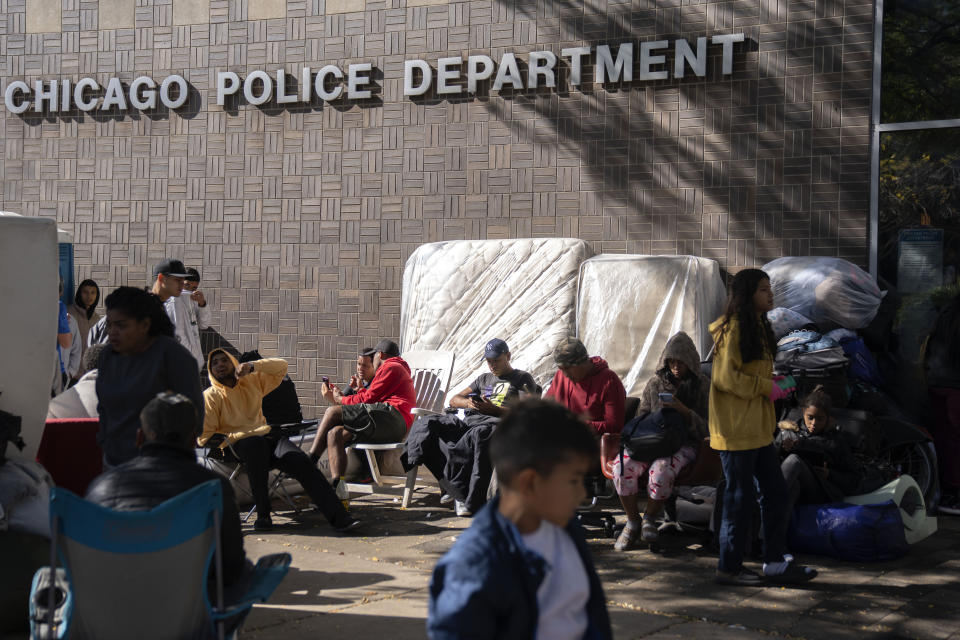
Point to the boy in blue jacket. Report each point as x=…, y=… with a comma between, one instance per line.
x=522, y=570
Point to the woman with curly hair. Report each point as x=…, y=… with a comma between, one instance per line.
x=142, y=359
x=742, y=422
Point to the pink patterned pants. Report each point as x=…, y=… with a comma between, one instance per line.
x=662, y=471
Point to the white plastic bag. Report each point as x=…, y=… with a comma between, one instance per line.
x=25, y=497
x=826, y=290
x=783, y=321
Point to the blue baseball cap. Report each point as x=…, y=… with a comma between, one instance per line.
x=495, y=348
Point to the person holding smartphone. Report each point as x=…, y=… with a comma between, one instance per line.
x=364, y=375
x=742, y=421
x=677, y=385
x=379, y=414
x=454, y=445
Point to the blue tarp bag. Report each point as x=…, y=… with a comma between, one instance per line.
x=863, y=366
x=858, y=533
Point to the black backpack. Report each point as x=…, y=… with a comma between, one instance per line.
x=9, y=434
x=654, y=435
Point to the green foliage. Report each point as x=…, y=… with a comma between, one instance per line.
x=915, y=183
x=919, y=184
x=921, y=60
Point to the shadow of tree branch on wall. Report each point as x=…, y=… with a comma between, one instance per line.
x=731, y=155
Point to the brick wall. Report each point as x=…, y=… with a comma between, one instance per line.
x=300, y=219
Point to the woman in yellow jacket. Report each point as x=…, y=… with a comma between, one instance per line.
x=742, y=422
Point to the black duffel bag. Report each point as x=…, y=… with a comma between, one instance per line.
x=655, y=435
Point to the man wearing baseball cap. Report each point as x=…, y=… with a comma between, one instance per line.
x=588, y=387
x=193, y=304
x=379, y=414
x=455, y=448
x=168, y=282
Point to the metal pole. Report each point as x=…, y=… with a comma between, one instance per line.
x=218, y=556
x=875, y=138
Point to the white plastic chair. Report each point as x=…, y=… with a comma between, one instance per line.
x=431, y=372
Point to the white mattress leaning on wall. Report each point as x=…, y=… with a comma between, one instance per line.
x=459, y=294
x=628, y=306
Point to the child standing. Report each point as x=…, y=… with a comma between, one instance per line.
x=742, y=422
x=522, y=570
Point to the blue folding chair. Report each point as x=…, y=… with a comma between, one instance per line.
x=141, y=574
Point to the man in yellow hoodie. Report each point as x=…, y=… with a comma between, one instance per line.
x=234, y=415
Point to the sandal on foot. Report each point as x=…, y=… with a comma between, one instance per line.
x=628, y=538
x=649, y=532
x=794, y=574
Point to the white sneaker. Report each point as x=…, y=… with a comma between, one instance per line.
x=462, y=510
x=446, y=498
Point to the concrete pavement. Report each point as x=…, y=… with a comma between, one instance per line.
x=374, y=584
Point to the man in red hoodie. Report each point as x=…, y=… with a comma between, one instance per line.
x=587, y=387
x=378, y=414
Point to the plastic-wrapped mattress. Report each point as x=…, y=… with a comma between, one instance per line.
x=628, y=306
x=459, y=294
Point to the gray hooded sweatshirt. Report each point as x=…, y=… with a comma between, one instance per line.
x=693, y=391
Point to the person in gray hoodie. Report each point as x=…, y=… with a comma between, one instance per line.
x=678, y=385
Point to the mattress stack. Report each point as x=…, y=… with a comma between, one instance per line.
x=534, y=292
x=458, y=295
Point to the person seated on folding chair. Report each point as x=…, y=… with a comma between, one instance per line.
x=166, y=467
x=455, y=448
x=379, y=414
x=234, y=409
x=588, y=387
x=677, y=385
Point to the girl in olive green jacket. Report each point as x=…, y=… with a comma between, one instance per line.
x=742, y=422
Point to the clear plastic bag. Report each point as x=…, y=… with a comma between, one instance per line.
x=827, y=290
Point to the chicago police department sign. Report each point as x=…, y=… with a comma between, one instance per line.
x=450, y=77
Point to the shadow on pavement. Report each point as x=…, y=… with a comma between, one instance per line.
x=345, y=625
x=308, y=587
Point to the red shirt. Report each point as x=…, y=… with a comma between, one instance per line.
x=391, y=384
x=599, y=398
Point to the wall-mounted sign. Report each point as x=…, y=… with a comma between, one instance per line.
x=450, y=77
x=418, y=76
x=919, y=260
x=59, y=95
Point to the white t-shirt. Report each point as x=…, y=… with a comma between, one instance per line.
x=188, y=318
x=563, y=594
